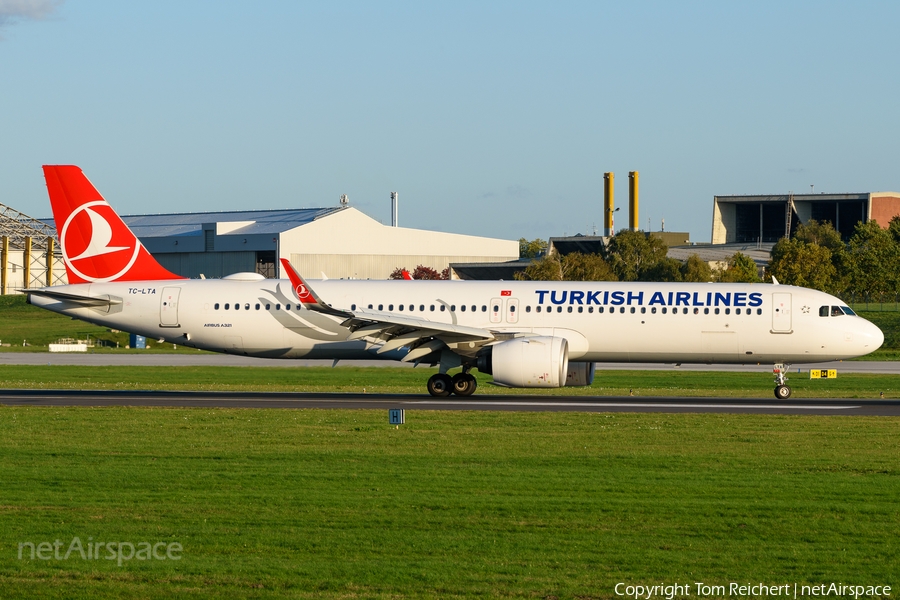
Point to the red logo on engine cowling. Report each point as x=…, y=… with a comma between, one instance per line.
x=96, y=245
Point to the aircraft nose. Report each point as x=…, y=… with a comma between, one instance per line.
x=870, y=336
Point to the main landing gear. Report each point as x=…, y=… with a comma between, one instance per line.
x=782, y=392
x=442, y=385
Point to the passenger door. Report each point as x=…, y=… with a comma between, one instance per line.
x=781, y=312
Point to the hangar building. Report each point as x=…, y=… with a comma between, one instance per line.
x=762, y=219
x=339, y=242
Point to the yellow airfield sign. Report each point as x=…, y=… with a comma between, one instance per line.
x=822, y=373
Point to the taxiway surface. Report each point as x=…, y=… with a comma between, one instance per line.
x=411, y=402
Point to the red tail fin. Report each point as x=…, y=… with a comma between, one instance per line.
x=96, y=245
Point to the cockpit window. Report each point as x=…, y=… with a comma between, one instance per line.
x=823, y=311
x=848, y=311
x=836, y=311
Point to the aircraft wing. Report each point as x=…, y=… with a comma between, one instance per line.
x=394, y=331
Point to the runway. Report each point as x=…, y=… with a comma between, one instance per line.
x=412, y=402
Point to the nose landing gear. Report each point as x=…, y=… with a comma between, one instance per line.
x=782, y=391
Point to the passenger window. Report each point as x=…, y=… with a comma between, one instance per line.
x=268, y=306
x=475, y=308
x=463, y=308
x=237, y=306
x=737, y=311
x=716, y=311
x=400, y=308
x=512, y=308
x=696, y=311
x=226, y=306
x=600, y=309
x=836, y=311
x=432, y=308
x=216, y=306
x=496, y=308
x=590, y=309
x=247, y=306
x=452, y=308
x=443, y=307
x=277, y=306
x=705, y=311
x=759, y=311
x=580, y=309
x=823, y=311
x=390, y=307
x=632, y=310
x=621, y=310
x=559, y=309
x=381, y=307
x=664, y=310
x=352, y=307
x=570, y=309
x=643, y=310
x=287, y=307
x=653, y=310
x=538, y=309
x=257, y=307
x=483, y=308
x=422, y=307
x=727, y=311
x=528, y=309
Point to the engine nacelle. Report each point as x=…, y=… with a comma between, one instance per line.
x=580, y=373
x=532, y=362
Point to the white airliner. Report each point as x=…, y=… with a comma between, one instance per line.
x=533, y=334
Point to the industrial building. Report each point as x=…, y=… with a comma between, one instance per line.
x=29, y=252
x=338, y=243
x=767, y=218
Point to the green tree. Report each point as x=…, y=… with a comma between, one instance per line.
x=631, y=253
x=571, y=267
x=894, y=228
x=821, y=233
x=874, y=259
x=740, y=269
x=696, y=270
x=808, y=265
x=667, y=269
x=531, y=249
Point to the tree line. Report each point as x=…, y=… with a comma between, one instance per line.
x=814, y=257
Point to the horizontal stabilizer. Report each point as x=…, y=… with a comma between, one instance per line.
x=105, y=300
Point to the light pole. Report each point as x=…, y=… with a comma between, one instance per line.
x=612, y=220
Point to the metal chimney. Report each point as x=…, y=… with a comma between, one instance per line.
x=633, y=200
x=395, y=209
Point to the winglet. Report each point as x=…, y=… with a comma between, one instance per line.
x=306, y=294
x=406, y=275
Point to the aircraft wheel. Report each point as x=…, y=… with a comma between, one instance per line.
x=782, y=392
x=464, y=384
x=440, y=385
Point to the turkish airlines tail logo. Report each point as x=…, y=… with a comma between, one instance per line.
x=96, y=244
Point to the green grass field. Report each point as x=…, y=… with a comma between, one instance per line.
x=338, y=504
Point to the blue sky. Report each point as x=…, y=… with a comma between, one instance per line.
x=488, y=118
